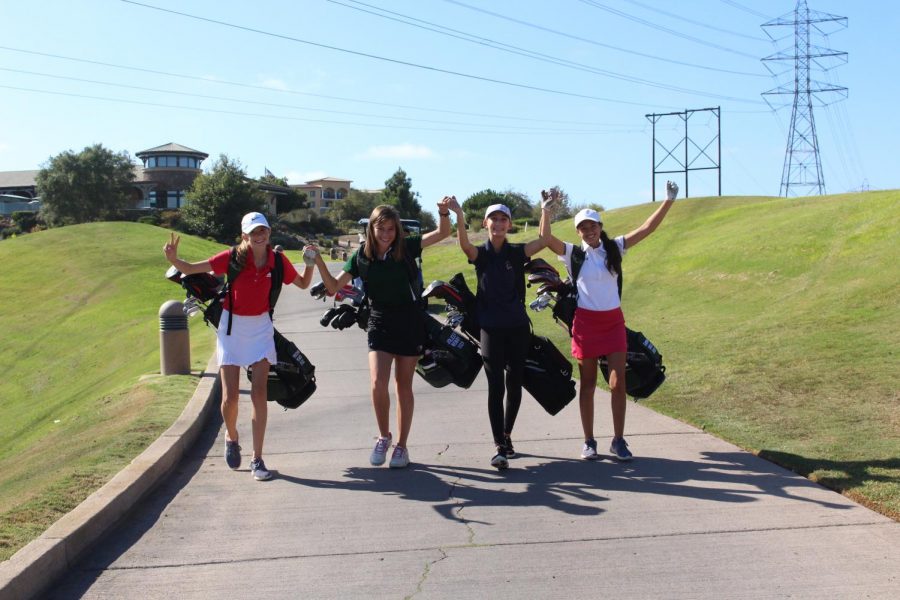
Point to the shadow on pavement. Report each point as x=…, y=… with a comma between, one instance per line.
x=572, y=486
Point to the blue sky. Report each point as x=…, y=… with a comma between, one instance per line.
x=350, y=89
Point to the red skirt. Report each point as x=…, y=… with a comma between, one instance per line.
x=597, y=333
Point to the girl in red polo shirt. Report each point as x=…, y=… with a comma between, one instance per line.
x=251, y=341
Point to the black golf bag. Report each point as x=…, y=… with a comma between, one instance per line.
x=450, y=356
x=644, y=371
x=548, y=375
x=291, y=379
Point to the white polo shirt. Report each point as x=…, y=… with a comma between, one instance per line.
x=597, y=287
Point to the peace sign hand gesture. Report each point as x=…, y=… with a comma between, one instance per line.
x=171, y=248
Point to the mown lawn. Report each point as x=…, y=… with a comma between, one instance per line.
x=80, y=328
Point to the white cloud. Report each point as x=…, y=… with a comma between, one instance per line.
x=404, y=151
x=296, y=177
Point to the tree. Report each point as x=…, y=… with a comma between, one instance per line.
x=292, y=200
x=355, y=206
x=519, y=204
x=217, y=201
x=398, y=192
x=475, y=205
x=91, y=185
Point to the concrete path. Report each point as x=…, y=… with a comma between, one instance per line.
x=690, y=517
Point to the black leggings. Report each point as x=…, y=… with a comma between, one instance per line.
x=504, y=350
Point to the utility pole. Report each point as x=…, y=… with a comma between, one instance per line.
x=802, y=171
x=692, y=151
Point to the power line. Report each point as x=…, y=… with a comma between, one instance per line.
x=206, y=109
x=653, y=25
x=206, y=80
x=740, y=6
x=443, y=30
x=386, y=59
x=276, y=105
x=601, y=44
x=697, y=23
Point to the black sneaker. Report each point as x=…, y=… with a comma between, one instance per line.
x=508, y=448
x=232, y=454
x=499, y=461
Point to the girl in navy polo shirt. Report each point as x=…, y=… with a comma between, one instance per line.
x=598, y=328
x=251, y=341
x=505, y=327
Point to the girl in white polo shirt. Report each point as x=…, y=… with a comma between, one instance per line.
x=599, y=325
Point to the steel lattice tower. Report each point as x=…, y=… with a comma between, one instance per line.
x=802, y=164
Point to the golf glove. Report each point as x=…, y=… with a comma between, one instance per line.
x=671, y=190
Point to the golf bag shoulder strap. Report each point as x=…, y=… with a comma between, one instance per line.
x=577, y=261
x=235, y=268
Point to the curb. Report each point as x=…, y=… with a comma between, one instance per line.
x=31, y=570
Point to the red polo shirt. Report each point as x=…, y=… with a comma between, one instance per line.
x=250, y=290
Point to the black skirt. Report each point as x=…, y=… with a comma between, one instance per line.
x=397, y=329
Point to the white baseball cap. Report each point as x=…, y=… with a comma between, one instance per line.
x=253, y=220
x=498, y=208
x=587, y=214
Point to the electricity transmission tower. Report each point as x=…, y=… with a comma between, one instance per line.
x=802, y=170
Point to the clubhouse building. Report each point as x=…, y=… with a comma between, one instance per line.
x=161, y=180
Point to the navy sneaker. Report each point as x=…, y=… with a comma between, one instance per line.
x=619, y=449
x=259, y=471
x=232, y=454
x=589, y=451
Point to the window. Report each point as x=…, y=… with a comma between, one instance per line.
x=328, y=193
x=182, y=161
x=311, y=193
x=151, y=199
x=174, y=199
x=341, y=193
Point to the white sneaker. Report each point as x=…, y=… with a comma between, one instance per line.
x=589, y=451
x=379, y=454
x=400, y=458
x=259, y=471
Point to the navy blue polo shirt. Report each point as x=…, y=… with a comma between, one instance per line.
x=501, y=283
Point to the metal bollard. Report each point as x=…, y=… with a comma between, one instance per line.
x=174, y=339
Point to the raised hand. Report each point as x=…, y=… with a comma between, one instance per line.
x=671, y=190
x=171, y=248
x=549, y=199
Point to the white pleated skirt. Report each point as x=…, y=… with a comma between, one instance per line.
x=251, y=340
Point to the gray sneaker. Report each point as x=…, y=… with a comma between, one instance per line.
x=400, y=458
x=232, y=454
x=259, y=470
x=379, y=453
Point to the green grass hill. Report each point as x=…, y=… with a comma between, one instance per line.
x=79, y=328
